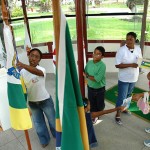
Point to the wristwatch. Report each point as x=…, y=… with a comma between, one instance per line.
x=87, y=75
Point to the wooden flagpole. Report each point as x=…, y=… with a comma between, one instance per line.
x=5, y=19
x=56, y=24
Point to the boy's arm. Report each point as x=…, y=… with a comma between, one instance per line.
x=103, y=112
x=136, y=97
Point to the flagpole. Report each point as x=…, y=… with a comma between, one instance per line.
x=56, y=24
x=28, y=139
x=79, y=24
x=5, y=19
x=25, y=17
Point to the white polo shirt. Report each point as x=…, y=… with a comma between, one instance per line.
x=124, y=56
x=35, y=85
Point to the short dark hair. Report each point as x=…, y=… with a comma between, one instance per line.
x=132, y=34
x=36, y=49
x=101, y=49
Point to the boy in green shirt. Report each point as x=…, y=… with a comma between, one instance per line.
x=95, y=73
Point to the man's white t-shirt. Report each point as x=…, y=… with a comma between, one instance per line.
x=35, y=85
x=124, y=56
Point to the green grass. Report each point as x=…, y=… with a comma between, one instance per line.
x=97, y=29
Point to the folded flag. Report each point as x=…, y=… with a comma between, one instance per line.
x=145, y=64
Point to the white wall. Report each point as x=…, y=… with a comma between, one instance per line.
x=146, y=53
x=48, y=65
x=110, y=62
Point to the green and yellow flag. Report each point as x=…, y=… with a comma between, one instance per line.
x=19, y=114
x=71, y=130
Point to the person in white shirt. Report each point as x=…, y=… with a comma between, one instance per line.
x=39, y=100
x=127, y=63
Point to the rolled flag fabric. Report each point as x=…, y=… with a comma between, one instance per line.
x=22, y=53
x=27, y=41
x=19, y=113
x=145, y=64
x=71, y=129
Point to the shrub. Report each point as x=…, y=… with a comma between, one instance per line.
x=17, y=12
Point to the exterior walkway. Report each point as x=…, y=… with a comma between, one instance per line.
x=110, y=136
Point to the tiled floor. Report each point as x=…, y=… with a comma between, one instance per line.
x=110, y=136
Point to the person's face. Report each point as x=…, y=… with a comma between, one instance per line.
x=97, y=55
x=130, y=41
x=34, y=58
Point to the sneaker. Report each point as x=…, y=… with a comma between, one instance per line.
x=94, y=120
x=147, y=130
x=127, y=112
x=118, y=120
x=44, y=145
x=147, y=143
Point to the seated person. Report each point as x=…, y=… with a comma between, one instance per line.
x=136, y=97
x=89, y=116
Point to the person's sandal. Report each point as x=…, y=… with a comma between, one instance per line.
x=118, y=120
x=127, y=112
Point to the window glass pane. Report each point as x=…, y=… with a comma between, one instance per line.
x=18, y=31
x=15, y=8
x=41, y=30
x=42, y=8
x=109, y=6
x=111, y=27
x=72, y=27
x=39, y=8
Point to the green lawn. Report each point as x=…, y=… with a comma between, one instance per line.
x=98, y=28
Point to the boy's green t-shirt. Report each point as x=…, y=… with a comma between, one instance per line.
x=97, y=70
